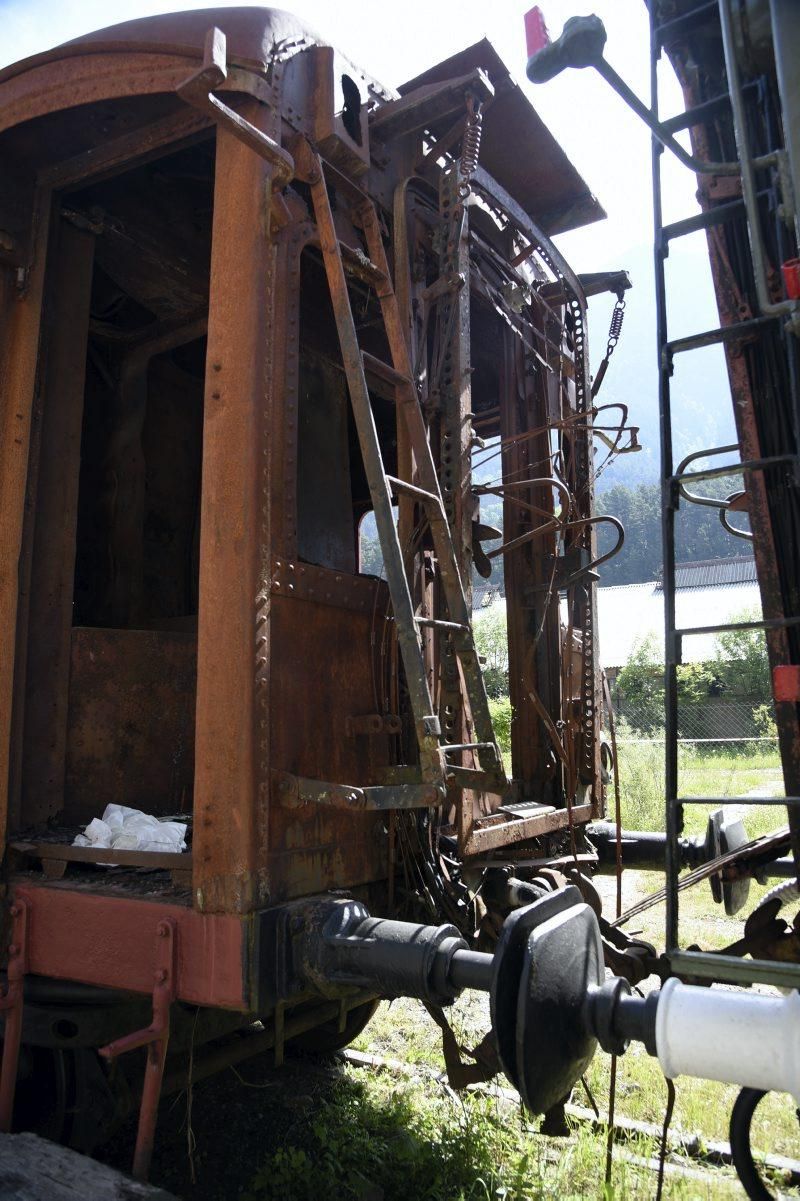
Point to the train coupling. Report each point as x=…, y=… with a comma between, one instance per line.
x=552, y=1003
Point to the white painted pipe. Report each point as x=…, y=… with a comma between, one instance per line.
x=739, y=1037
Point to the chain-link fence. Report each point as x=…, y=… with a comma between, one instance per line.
x=715, y=721
x=726, y=748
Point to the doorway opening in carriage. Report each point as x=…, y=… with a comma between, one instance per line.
x=108, y=661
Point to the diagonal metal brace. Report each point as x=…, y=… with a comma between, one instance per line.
x=197, y=90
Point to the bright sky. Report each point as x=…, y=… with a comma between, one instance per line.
x=395, y=41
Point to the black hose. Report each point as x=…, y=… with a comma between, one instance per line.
x=741, y=1151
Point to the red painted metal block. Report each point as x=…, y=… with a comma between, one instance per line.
x=536, y=34
x=109, y=941
x=786, y=682
x=791, y=278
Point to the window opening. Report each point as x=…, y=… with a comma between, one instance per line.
x=333, y=495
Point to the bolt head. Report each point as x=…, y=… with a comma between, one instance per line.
x=15, y=910
x=161, y=975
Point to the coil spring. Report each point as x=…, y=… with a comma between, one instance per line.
x=471, y=142
x=615, y=328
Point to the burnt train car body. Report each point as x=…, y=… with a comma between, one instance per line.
x=247, y=298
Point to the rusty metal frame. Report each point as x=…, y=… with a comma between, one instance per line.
x=232, y=779
x=12, y=1004
x=296, y=790
x=274, y=820
x=19, y=345
x=85, y=78
x=106, y=938
x=155, y=1039
x=198, y=90
x=260, y=832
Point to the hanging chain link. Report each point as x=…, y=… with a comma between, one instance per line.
x=614, y=330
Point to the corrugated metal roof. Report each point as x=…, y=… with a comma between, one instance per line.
x=484, y=594
x=627, y=615
x=711, y=573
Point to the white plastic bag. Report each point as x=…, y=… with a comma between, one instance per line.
x=125, y=829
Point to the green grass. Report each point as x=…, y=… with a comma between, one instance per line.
x=554, y=1167
x=381, y=1137
x=701, y=772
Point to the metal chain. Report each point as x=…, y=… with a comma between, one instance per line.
x=614, y=330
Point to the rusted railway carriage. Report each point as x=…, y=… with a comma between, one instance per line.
x=250, y=299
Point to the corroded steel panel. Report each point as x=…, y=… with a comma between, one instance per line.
x=326, y=668
x=130, y=729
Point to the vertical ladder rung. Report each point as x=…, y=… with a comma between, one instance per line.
x=356, y=263
x=711, y=216
x=435, y=623
x=703, y=11
x=449, y=570
x=697, y=115
x=338, y=259
x=725, y=333
x=468, y=746
x=428, y=498
x=386, y=372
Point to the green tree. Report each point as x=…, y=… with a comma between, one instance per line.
x=742, y=661
x=502, y=713
x=640, y=685
x=491, y=638
x=698, y=533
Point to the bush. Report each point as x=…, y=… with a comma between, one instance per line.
x=371, y=1142
x=764, y=719
x=742, y=661
x=501, y=711
x=740, y=675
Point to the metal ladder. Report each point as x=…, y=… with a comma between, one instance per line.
x=339, y=261
x=776, y=622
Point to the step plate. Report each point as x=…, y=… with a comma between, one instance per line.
x=526, y=809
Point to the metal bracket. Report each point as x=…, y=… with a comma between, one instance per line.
x=428, y=104
x=296, y=791
x=197, y=91
x=155, y=1038
x=12, y=1002
x=374, y=723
